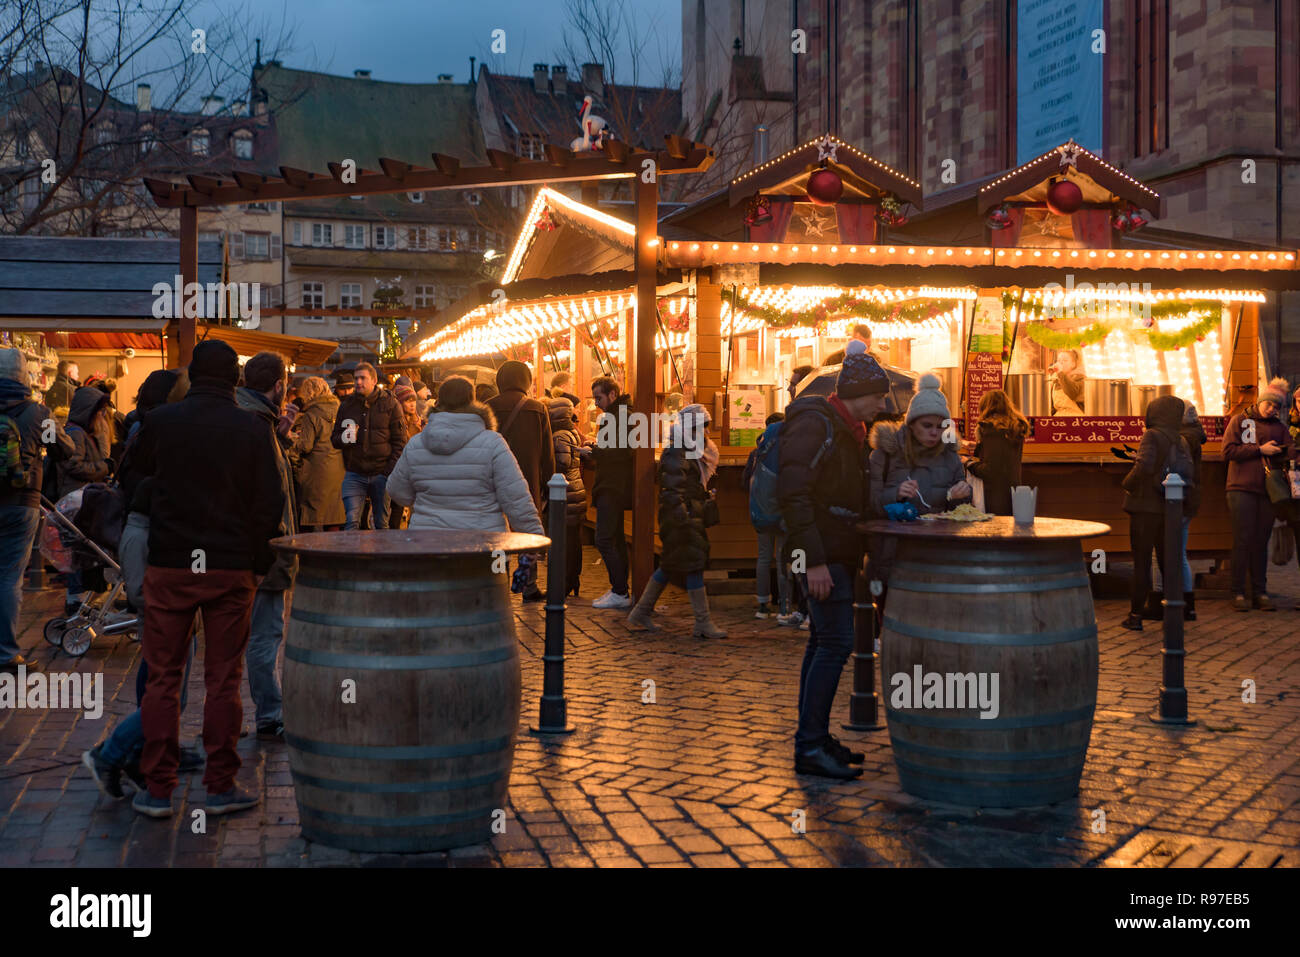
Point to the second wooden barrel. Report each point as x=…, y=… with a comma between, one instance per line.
x=401, y=693
x=1020, y=609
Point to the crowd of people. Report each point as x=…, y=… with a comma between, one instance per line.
x=216, y=461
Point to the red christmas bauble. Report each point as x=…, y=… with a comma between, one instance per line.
x=1064, y=197
x=825, y=187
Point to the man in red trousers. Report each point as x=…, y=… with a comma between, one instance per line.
x=215, y=504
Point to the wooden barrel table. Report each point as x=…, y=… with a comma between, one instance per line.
x=401, y=685
x=989, y=659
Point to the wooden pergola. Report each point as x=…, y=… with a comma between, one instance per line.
x=614, y=160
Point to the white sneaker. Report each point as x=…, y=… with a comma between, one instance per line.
x=611, y=600
x=792, y=620
x=803, y=625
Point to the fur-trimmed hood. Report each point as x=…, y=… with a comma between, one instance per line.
x=886, y=436
x=449, y=432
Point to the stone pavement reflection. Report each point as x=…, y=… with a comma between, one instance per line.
x=702, y=776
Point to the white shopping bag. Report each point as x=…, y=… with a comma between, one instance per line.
x=977, y=491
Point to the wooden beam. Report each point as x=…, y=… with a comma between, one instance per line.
x=248, y=180
x=181, y=331
x=398, y=176
x=558, y=155
x=447, y=165
x=501, y=159
x=678, y=146
x=204, y=184
x=641, y=370
x=160, y=189
x=617, y=151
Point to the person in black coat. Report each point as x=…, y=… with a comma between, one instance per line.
x=1002, y=432
x=611, y=492
x=370, y=430
x=685, y=469
x=216, y=503
x=1194, y=434
x=1161, y=450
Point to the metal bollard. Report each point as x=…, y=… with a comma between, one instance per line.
x=864, y=703
x=552, y=713
x=1172, y=708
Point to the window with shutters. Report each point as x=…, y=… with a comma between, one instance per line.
x=532, y=146
x=272, y=295
x=209, y=237
x=257, y=245
x=350, y=298
x=237, y=247
x=31, y=193
x=322, y=234
x=276, y=252
x=313, y=297
x=21, y=148
x=385, y=237
x=354, y=237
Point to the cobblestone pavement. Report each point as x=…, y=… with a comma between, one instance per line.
x=703, y=776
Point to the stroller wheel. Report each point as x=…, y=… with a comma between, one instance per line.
x=54, y=629
x=76, y=641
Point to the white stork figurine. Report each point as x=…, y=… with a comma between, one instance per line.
x=594, y=129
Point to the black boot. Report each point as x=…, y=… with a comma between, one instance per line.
x=1189, y=606
x=821, y=762
x=1133, y=622
x=1155, y=609
x=845, y=755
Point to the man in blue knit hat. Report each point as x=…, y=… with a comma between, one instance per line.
x=823, y=491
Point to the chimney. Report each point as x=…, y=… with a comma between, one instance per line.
x=471, y=69
x=212, y=105
x=593, y=78
x=559, y=80
x=361, y=74
x=143, y=97
x=760, y=144
x=445, y=78
x=540, y=77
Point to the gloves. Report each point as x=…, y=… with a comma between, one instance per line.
x=901, y=512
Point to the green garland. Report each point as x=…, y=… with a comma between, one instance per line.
x=820, y=314
x=1164, y=341
x=1051, y=339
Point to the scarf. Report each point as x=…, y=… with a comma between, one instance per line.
x=706, y=450
x=859, y=429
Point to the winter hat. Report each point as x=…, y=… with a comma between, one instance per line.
x=344, y=378
x=1275, y=392
x=1189, y=415
x=514, y=375
x=404, y=392
x=861, y=375
x=155, y=389
x=929, y=400
x=13, y=365
x=855, y=347
x=214, y=359
x=402, y=380
x=455, y=393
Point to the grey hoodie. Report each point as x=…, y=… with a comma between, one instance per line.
x=459, y=473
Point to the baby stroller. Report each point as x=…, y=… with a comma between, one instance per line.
x=67, y=547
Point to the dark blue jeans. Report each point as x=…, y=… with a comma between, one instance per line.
x=610, y=540
x=694, y=580
x=357, y=488
x=830, y=641
x=17, y=531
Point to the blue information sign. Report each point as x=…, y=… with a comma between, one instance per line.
x=1059, y=77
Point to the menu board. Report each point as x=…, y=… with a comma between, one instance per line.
x=983, y=374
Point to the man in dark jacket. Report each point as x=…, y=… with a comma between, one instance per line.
x=216, y=504
x=822, y=488
x=371, y=432
x=525, y=424
x=58, y=397
x=611, y=492
x=20, y=492
x=263, y=395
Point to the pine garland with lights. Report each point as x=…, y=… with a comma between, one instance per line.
x=1052, y=339
x=819, y=314
x=1040, y=332
x=1165, y=341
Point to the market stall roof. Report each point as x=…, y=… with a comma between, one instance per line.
x=563, y=236
x=1099, y=181
x=247, y=342
x=90, y=282
x=861, y=172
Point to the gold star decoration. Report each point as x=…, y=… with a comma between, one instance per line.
x=815, y=222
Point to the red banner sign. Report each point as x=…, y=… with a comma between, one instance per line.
x=1122, y=428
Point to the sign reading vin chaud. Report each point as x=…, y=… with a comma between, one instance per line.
x=1059, y=78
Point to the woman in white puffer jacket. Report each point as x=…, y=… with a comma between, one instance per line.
x=459, y=472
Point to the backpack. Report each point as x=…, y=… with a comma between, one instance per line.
x=764, y=508
x=12, y=473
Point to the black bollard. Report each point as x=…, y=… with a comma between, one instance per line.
x=864, y=703
x=1172, y=708
x=552, y=713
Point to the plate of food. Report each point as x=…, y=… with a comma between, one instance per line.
x=964, y=512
